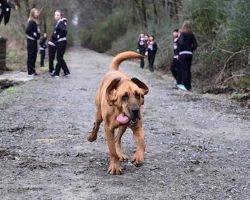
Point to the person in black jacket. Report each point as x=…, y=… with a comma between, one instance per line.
x=33, y=34
x=142, y=47
x=60, y=40
x=186, y=45
x=43, y=46
x=175, y=62
x=151, y=52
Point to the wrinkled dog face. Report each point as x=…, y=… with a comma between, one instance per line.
x=128, y=96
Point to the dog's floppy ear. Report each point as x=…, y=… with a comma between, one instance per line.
x=111, y=94
x=141, y=85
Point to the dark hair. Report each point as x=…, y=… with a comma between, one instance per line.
x=176, y=30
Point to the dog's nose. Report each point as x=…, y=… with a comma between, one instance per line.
x=134, y=111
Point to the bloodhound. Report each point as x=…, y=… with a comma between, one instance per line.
x=118, y=103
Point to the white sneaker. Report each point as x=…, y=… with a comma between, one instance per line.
x=182, y=87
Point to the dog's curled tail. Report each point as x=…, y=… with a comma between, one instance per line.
x=123, y=56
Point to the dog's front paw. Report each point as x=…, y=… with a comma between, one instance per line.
x=122, y=157
x=114, y=169
x=92, y=137
x=138, y=159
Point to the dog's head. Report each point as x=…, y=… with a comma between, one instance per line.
x=128, y=96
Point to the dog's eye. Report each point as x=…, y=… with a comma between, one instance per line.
x=137, y=95
x=125, y=97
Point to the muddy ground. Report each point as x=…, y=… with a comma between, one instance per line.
x=198, y=146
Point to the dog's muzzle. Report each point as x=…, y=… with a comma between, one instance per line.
x=134, y=115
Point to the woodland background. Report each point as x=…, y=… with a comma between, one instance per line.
x=222, y=29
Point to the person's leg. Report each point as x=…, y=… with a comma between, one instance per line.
x=64, y=65
x=60, y=48
x=42, y=53
x=34, y=56
x=30, y=56
x=174, y=68
x=189, y=63
x=152, y=60
x=186, y=71
x=142, y=59
x=52, y=54
x=180, y=69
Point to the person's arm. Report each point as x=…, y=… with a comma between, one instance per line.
x=195, y=44
x=155, y=47
x=41, y=42
x=61, y=27
x=180, y=43
x=29, y=29
x=138, y=45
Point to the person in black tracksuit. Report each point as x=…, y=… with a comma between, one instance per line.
x=141, y=48
x=43, y=46
x=151, y=52
x=175, y=61
x=186, y=45
x=33, y=34
x=59, y=36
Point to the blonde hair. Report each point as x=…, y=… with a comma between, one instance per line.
x=32, y=15
x=186, y=27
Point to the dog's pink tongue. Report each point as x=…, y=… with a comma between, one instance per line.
x=123, y=119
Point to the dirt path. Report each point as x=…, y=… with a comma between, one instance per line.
x=198, y=146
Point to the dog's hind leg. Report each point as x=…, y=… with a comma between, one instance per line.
x=121, y=155
x=93, y=134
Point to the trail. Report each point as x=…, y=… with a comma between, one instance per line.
x=198, y=146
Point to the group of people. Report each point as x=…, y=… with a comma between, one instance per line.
x=184, y=45
x=147, y=46
x=56, y=45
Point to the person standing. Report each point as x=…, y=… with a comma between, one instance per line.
x=175, y=61
x=43, y=46
x=33, y=35
x=59, y=35
x=187, y=44
x=151, y=52
x=141, y=48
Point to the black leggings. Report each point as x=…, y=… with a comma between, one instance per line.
x=61, y=47
x=142, y=52
x=174, y=69
x=42, y=54
x=184, y=72
x=32, y=54
x=52, y=55
x=151, y=60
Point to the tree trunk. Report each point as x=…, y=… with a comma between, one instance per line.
x=155, y=12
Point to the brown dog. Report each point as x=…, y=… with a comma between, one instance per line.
x=118, y=103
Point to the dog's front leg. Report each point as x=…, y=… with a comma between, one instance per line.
x=114, y=165
x=121, y=155
x=138, y=157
